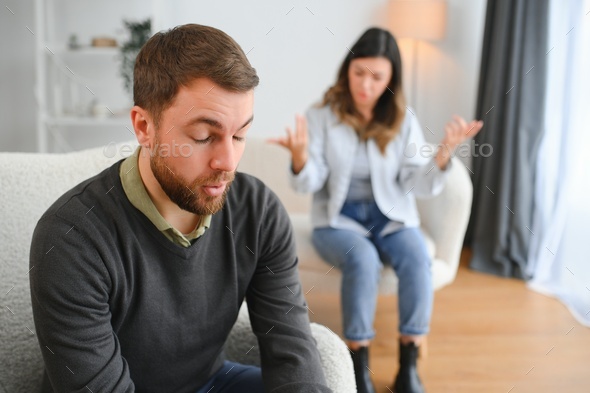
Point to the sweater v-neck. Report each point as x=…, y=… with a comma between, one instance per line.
x=147, y=225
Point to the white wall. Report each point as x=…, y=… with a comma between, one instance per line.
x=448, y=71
x=296, y=48
x=17, y=76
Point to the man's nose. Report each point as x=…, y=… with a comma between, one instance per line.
x=224, y=156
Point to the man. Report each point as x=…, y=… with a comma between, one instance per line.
x=140, y=271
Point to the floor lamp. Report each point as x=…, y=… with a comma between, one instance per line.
x=417, y=20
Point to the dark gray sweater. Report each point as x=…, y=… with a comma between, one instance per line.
x=120, y=308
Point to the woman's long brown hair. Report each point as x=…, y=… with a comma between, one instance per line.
x=389, y=111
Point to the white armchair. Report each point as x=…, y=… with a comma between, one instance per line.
x=29, y=183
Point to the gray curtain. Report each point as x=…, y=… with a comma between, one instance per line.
x=510, y=102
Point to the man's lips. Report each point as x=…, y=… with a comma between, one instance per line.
x=215, y=189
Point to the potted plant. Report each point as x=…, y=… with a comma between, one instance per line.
x=139, y=33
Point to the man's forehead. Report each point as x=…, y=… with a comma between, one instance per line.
x=205, y=96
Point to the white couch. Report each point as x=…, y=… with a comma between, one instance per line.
x=444, y=220
x=29, y=183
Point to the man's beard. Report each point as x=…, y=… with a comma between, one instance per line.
x=189, y=196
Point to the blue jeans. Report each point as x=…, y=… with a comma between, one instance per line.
x=234, y=378
x=361, y=258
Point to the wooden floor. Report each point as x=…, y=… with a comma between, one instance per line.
x=488, y=334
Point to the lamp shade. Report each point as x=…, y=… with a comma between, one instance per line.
x=418, y=19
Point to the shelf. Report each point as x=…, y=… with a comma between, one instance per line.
x=80, y=92
x=85, y=51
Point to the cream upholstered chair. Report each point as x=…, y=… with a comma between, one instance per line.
x=29, y=183
x=444, y=220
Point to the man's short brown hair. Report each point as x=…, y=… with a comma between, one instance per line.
x=176, y=57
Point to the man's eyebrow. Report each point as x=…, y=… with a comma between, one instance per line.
x=214, y=123
x=249, y=121
x=207, y=120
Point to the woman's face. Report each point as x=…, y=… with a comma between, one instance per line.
x=368, y=78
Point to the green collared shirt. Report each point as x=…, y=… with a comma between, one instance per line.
x=138, y=196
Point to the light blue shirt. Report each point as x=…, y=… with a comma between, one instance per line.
x=406, y=170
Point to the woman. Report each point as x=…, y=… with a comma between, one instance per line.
x=362, y=162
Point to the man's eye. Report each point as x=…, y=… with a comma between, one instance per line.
x=239, y=138
x=203, y=141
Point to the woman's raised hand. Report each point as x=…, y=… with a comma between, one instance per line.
x=296, y=142
x=457, y=131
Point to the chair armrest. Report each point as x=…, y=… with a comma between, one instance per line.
x=445, y=216
x=242, y=347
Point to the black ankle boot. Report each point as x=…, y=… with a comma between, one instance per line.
x=407, y=380
x=362, y=374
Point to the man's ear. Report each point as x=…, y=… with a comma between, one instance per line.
x=141, y=121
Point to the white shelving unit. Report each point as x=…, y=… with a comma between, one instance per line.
x=80, y=97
